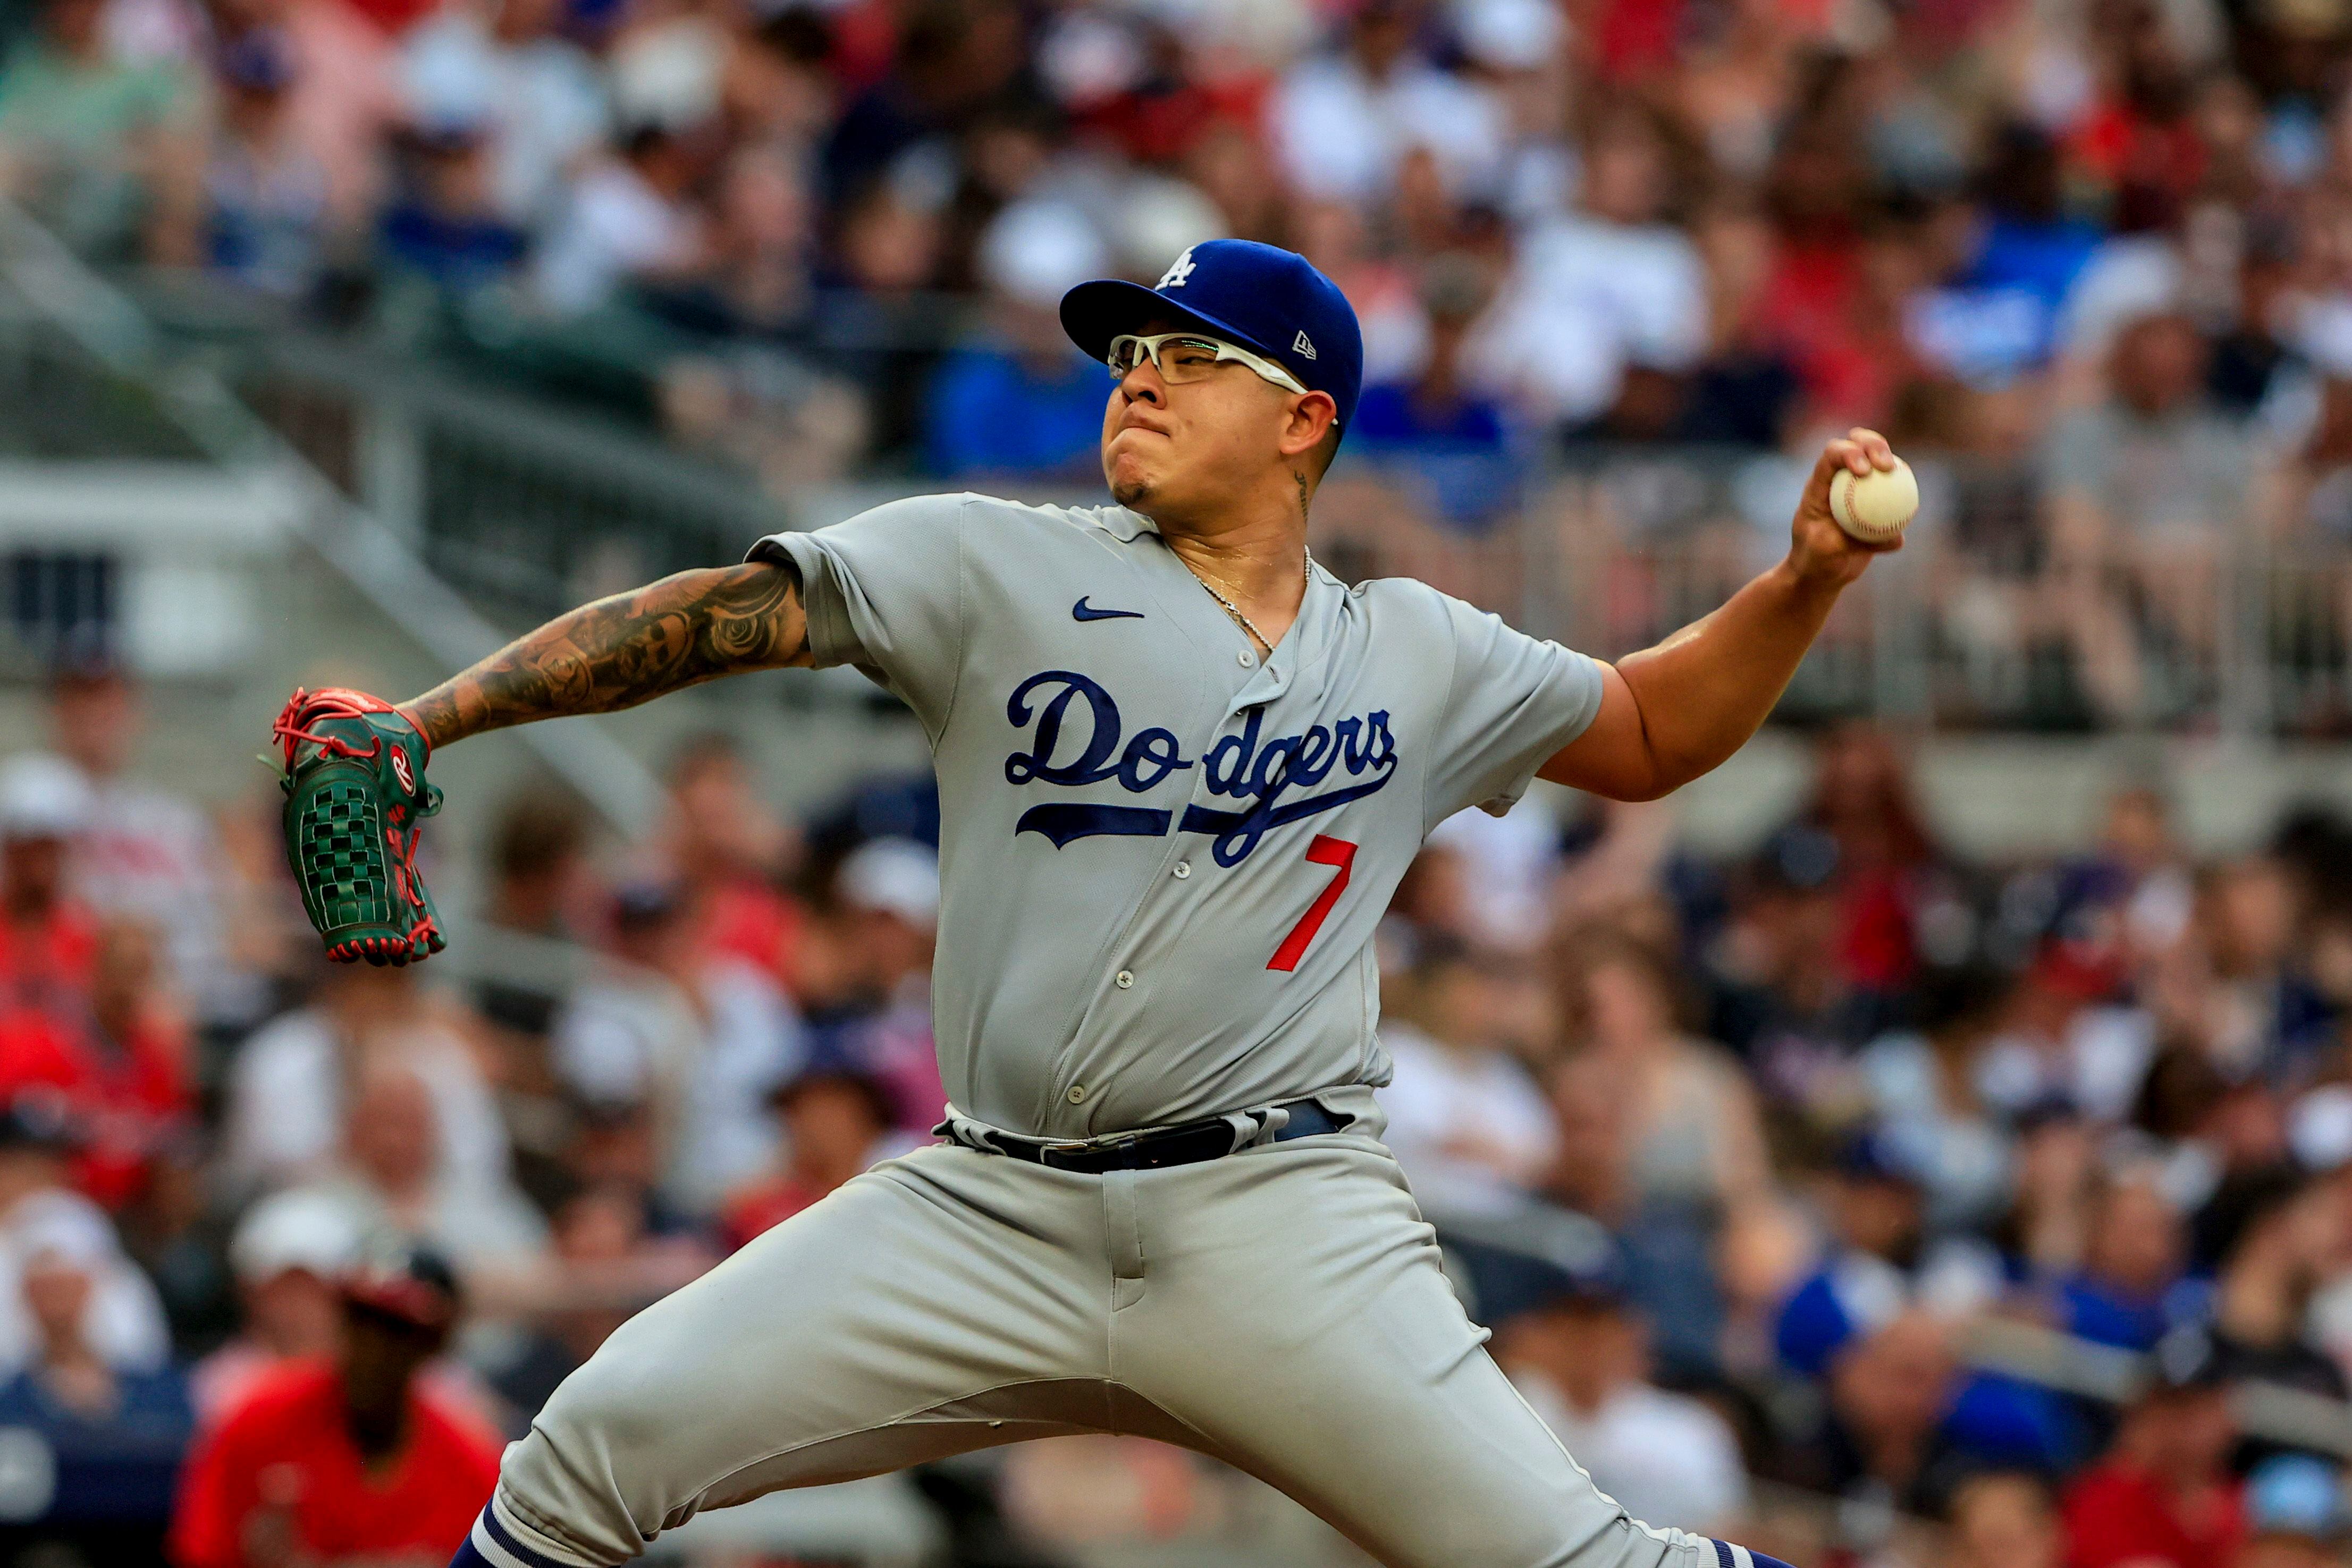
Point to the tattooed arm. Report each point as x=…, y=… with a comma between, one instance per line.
x=628, y=649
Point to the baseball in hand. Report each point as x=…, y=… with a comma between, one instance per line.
x=1876, y=506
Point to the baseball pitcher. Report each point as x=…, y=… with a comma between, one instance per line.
x=1182, y=769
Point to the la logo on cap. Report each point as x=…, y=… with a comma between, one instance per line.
x=1178, y=271
x=1300, y=346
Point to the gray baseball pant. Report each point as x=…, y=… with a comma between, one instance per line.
x=1280, y=1310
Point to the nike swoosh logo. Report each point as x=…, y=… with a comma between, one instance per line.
x=1082, y=611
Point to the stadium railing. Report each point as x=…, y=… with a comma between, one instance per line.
x=1973, y=625
x=526, y=504
x=1977, y=623
x=83, y=345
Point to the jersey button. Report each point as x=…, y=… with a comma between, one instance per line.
x=1181, y=869
x=1245, y=658
x=1077, y=1094
x=1124, y=978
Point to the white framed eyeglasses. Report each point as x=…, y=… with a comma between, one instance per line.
x=1182, y=357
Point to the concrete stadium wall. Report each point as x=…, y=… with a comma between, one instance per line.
x=2003, y=796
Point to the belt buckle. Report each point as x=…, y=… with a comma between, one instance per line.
x=1079, y=1150
x=1115, y=1148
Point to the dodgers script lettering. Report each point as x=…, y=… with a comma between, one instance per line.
x=1074, y=728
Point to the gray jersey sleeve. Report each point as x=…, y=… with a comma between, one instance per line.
x=885, y=592
x=1513, y=701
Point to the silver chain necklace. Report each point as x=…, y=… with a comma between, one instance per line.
x=1306, y=579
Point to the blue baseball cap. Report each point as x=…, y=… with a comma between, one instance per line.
x=1268, y=301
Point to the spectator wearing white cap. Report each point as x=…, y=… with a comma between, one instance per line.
x=286, y=1254
x=1152, y=217
x=121, y=1319
x=290, y=1255
x=889, y=892
x=1019, y=398
x=894, y=877
x=48, y=940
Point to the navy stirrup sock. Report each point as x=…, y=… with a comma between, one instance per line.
x=498, y=1548
x=1731, y=1556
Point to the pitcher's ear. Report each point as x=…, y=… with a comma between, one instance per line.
x=1314, y=422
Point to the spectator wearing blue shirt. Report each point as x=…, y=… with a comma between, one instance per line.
x=1904, y=1423
x=1021, y=400
x=1446, y=434
x=2131, y=1289
x=2030, y=242
x=442, y=225
x=266, y=186
x=1998, y=317
x=1881, y=1264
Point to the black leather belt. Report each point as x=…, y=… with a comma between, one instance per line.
x=1187, y=1145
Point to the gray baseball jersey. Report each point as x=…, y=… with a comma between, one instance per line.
x=1162, y=865
x=1163, y=860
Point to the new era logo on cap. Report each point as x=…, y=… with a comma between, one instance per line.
x=1271, y=302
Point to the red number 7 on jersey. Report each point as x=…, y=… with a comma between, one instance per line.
x=1325, y=851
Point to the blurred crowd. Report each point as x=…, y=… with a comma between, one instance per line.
x=289, y=1249
x=2098, y=254
x=1753, y=1168
x=812, y=231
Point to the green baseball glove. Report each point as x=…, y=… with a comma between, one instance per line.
x=355, y=800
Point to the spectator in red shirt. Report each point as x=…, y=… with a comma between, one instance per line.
x=2163, y=1496
x=48, y=940
x=1863, y=798
x=121, y=1065
x=835, y=1114
x=347, y=1458
x=729, y=848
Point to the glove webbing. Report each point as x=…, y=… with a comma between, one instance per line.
x=343, y=827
